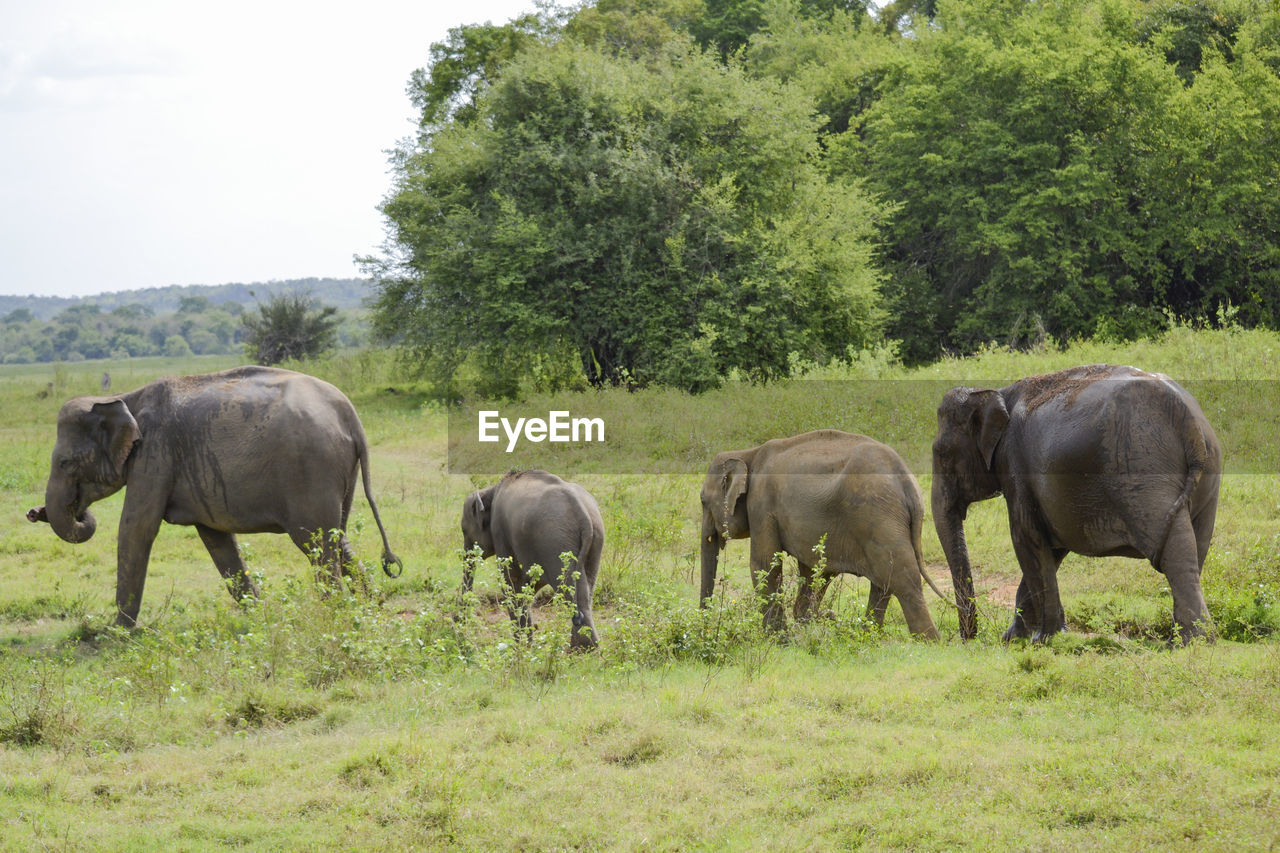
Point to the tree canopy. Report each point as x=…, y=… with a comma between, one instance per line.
x=289, y=326
x=678, y=191
x=659, y=220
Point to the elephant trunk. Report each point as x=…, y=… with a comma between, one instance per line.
x=948, y=518
x=711, y=544
x=62, y=511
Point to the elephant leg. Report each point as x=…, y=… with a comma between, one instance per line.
x=905, y=586
x=138, y=528
x=519, y=600
x=1038, y=598
x=1181, y=567
x=1026, y=615
x=764, y=547
x=821, y=584
x=895, y=571
x=877, y=603
x=1202, y=524
x=584, y=626
x=808, y=593
x=327, y=549
x=226, y=557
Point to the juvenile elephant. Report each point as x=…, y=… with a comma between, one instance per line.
x=787, y=493
x=532, y=518
x=248, y=450
x=1099, y=460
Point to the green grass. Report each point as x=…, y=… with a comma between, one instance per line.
x=405, y=719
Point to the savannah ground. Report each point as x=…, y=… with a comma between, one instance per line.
x=398, y=717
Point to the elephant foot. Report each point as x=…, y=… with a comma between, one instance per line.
x=1043, y=636
x=1019, y=630
x=1184, y=635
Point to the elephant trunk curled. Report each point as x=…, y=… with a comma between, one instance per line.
x=948, y=517
x=62, y=511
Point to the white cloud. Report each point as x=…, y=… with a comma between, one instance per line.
x=146, y=143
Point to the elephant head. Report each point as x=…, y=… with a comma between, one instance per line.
x=970, y=425
x=90, y=456
x=724, y=512
x=477, y=515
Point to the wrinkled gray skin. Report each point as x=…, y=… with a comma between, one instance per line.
x=249, y=450
x=786, y=493
x=532, y=517
x=1099, y=460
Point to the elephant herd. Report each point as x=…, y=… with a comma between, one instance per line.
x=1098, y=460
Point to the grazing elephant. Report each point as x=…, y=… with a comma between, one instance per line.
x=787, y=493
x=1099, y=460
x=531, y=518
x=248, y=450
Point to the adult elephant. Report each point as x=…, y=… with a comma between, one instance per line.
x=787, y=493
x=248, y=450
x=532, y=518
x=1100, y=460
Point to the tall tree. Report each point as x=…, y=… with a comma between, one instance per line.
x=663, y=220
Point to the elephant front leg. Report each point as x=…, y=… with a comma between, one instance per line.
x=766, y=564
x=226, y=557
x=809, y=593
x=138, y=530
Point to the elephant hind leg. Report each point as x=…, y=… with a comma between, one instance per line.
x=1038, y=597
x=226, y=556
x=1181, y=567
x=327, y=548
x=897, y=570
x=584, y=627
x=877, y=603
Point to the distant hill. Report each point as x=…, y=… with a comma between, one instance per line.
x=341, y=293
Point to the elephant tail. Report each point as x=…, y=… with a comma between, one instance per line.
x=388, y=558
x=915, y=509
x=1197, y=456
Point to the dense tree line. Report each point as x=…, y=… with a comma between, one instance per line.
x=680, y=190
x=267, y=329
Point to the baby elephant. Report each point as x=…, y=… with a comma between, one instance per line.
x=786, y=494
x=532, y=517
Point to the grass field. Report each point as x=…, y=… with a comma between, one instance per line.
x=398, y=717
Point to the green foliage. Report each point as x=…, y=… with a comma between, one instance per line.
x=464, y=65
x=659, y=221
x=289, y=326
x=1057, y=178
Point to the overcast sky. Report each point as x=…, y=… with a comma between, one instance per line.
x=152, y=143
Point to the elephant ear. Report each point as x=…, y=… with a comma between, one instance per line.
x=116, y=432
x=477, y=508
x=733, y=485
x=992, y=417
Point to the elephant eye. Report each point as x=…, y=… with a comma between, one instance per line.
x=64, y=464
